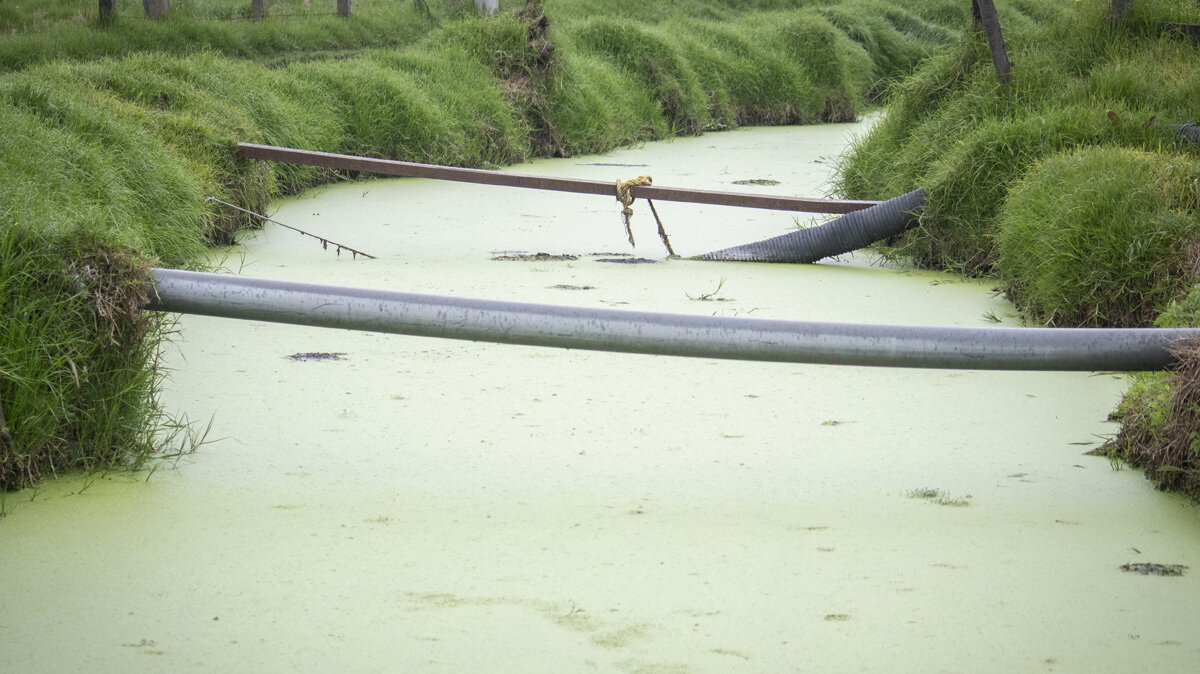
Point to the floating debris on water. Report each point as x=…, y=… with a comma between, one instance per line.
x=317, y=355
x=925, y=492
x=536, y=257
x=627, y=260
x=1150, y=569
x=940, y=497
x=602, y=163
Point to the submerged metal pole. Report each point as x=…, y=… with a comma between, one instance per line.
x=1076, y=349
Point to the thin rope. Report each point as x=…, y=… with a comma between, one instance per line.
x=324, y=242
x=662, y=233
x=626, y=198
x=141, y=15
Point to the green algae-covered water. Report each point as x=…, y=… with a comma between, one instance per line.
x=410, y=504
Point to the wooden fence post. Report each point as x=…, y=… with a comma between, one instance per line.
x=257, y=10
x=984, y=12
x=343, y=8
x=156, y=9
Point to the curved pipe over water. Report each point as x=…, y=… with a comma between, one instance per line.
x=663, y=334
x=849, y=232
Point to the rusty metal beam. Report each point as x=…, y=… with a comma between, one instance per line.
x=406, y=169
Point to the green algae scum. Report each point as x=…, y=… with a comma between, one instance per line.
x=117, y=132
x=386, y=502
x=198, y=494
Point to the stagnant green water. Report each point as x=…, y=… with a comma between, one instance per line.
x=437, y=506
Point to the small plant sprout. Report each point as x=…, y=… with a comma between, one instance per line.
x=712, y=296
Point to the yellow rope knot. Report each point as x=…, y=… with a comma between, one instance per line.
x=626, y=199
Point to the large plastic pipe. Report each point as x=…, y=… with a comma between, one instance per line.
x=663, y=334
x=1189, y=132
x=847, y=233
x=854, y=230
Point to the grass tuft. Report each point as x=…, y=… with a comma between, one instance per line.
x=1101, y=237
x=1160, y=428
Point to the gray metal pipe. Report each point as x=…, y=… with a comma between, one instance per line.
x=1076, y=349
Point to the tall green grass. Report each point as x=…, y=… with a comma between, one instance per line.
x=78, y=370
x=1113, y=248
x=36, y=32
x=1080, y=81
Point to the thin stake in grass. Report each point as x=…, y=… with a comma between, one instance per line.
x=324, y=242
x=5, y=436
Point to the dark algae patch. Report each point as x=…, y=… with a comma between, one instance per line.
x=756, y=181
x=1150, y=569
x=317, y=356
x=535, y=257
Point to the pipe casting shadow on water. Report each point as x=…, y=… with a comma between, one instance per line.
x=1065, y=349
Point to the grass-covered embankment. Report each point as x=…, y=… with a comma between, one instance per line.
x=53, y=30
x=1070, y=184
x=115, y=133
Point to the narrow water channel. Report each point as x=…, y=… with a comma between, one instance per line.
x=410, y=504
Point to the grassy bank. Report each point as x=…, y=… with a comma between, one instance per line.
x=115, y=132
x=1071, y=185
x=37, y=32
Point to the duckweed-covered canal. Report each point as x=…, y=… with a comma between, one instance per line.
x=408, y=504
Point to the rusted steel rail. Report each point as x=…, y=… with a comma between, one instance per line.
x=406, y=169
